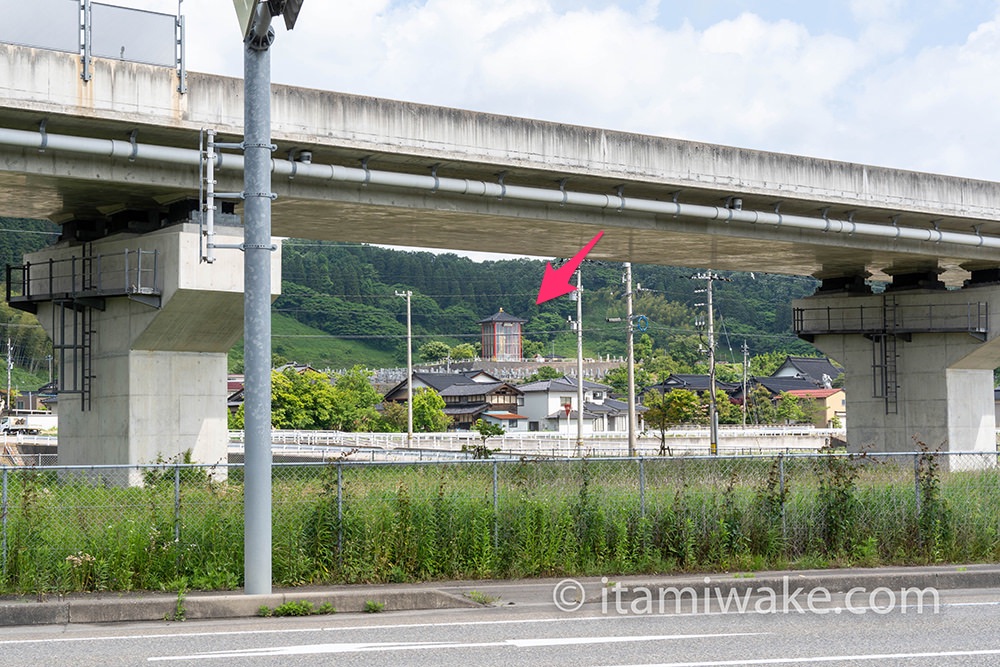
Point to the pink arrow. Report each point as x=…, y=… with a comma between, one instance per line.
x=555, y=282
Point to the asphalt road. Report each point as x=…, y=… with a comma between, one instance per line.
x=526, y=629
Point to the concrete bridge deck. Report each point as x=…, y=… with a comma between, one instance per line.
x=340, y=129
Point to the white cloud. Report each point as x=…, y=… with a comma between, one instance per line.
x=936, y=112
x=909, y=85
x=875, y=11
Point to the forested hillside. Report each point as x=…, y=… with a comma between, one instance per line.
x=339, y=306
x=31, y=348
x=347, y=294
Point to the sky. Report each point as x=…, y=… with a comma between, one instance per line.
x=896, y=83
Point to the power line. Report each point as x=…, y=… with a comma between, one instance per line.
x=29, y=231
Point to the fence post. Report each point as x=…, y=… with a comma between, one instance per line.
x=177, y=513
x=496, y=508
x=3, y=519
x=916, y=482
x=781, y=494
x=340, y=515
x=642, y=488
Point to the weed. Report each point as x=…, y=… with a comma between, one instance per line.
x=179, y=613
x=373, y=607
x=838, y=505
x=933, y=520
x=351, y=523
x=482, y=598
x=294, y=608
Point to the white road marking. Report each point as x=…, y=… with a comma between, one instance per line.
x=366, y=647
x=821, y=658
x=569, y=618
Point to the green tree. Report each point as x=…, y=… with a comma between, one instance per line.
x=434, y=350
x=394, y=416
x=485, y=430
x=760, y=406
x=463, y=351
x=684, y=407
x=617, y=379
x=301, y=401
x=236, y=420
x=428, y=412
x=729, y=412
x=643, y=348
x=354, y=401
x=789, y=410
x=532, y=348
x=763, y=365
x=656, y=416
x=543, y=373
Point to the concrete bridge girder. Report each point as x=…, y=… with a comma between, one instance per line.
x=340, y=129
x=158, y=386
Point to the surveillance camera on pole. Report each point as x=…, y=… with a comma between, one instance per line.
x=255, y=25
x=255, y=15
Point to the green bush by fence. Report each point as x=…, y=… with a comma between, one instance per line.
x=182, y=526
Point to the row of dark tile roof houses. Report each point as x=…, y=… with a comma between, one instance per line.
x=542, y=405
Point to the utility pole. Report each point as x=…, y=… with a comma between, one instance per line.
x=640, y=322
x=579, y=361
x=255, y=23
x=631, y=361
x=713, y=415
x=746, y=367
x=408, y=295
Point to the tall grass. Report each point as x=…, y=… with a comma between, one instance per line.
x=345, y=522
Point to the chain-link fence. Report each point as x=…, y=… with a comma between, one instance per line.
x=181, y=526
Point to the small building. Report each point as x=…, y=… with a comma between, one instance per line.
x=510, y=421
x=820, y=371
x=829, y=406
x=468, y=396
x=552, y=405
x=501, y=337
x=696, y=383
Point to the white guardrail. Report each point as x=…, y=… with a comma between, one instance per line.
x=436, y=446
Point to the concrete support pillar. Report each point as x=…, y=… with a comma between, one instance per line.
x=158, y=386
x=919, y=364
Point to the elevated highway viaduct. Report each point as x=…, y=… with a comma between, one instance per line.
x=116, y=161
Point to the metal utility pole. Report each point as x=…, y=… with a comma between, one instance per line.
x=408, y=295
x=579, y=362
x=255, y=22
x=746, y=367
x=631, y=361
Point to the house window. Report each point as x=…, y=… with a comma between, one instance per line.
x=511, y=423
x=564, y=400
x=598, y=395
x=532, y=426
